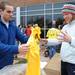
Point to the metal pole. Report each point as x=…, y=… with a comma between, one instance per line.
x=26, y=17
x=52, y=12
x=18, y=16
x=44, y=22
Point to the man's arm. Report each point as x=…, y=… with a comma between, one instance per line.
x=20, y=36
x=8, y=48
x=14, y=49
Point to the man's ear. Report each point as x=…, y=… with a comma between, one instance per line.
x=0, y=11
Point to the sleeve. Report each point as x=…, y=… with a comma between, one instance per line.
x=20, y=36
x=8, y=48
x=53, y=42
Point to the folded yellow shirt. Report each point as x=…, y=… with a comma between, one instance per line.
x=33, y=55
x=53, y=33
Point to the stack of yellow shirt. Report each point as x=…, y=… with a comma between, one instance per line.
x=53, y=33
x=33, y=55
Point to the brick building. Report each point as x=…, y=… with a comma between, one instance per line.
x=31, y=2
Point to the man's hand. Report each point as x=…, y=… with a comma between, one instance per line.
x=44, y=41
x=23, y=49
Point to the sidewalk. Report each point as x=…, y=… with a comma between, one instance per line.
x=43, y=63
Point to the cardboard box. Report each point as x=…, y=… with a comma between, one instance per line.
x=53, y=66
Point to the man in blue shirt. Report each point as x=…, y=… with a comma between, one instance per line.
x=9, y=32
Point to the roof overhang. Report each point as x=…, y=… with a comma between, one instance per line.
x=31, y=2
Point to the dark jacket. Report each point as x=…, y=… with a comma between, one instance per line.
x=8, y=46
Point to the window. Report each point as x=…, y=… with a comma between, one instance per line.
x=35, y=7
x=22, y=18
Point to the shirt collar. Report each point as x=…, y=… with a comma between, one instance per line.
x=6, y=23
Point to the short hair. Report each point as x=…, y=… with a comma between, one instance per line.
x=3, y=5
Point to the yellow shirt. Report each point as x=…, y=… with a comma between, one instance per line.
x=33, y=55
x=53, y=33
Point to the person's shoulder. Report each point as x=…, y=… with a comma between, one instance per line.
x=12, y=22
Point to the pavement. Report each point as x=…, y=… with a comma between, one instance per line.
x=43, y=63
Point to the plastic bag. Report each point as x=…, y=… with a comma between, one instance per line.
x=17, y=69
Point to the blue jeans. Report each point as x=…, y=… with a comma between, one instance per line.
x=52, y=50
